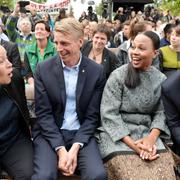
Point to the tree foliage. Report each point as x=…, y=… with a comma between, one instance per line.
x=39, y=1
x=8, y=3
x=99, y=9
x=172, y=5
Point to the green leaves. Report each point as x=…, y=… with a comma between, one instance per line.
x=172, y=5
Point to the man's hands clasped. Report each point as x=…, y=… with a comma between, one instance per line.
x=68, y=159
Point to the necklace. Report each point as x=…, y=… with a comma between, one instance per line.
x=96, y=55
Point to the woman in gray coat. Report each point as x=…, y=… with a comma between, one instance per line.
x=132, y=117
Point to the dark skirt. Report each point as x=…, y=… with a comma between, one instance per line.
x=132, y=167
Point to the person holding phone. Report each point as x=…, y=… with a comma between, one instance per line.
x=19, y=31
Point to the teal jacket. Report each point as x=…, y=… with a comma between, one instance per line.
x=32, y=58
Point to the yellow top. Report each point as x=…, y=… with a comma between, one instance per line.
x=170, y=58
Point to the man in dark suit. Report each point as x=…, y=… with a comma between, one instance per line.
x=68, y=89
x=171, y=100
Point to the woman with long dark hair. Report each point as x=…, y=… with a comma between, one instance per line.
x=133, y=119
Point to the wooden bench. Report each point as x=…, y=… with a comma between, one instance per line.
x=5, y=176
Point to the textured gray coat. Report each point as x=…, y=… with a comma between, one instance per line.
x=133, y=112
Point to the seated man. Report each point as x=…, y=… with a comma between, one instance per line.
x=68, y=89
x=171, y=100
x=16, y=152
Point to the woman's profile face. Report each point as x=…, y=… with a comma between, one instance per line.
x=99, y=40
x=175, y=39
x=142, y=52
x=5, y=67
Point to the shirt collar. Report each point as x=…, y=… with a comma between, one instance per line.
x=22, y=35
x=74, y=67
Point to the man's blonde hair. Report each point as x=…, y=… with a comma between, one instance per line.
x=70, y=26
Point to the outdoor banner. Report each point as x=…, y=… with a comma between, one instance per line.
x=44, y=7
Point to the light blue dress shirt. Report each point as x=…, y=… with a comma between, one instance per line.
x=71, y=121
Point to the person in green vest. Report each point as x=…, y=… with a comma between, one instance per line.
x=42, y=49
x=170, y=55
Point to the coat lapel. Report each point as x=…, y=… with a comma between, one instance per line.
x=81, y=78
x=60, y=80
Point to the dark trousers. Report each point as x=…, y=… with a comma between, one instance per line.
x=18, y=159
x=90, y=164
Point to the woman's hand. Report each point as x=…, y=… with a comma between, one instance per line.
x=154, y=154
x=145, y=147
x=131, y=143
x=146, y=143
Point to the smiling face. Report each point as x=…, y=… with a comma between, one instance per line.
x=68, y=46
x=41, y=32
x=99, y=40
x=5, y=67
x=25, y=26
x=142, y=52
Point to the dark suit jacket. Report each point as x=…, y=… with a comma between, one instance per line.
x=16, y=91
x=50, y=98
x=171, y=100
x=12, y=53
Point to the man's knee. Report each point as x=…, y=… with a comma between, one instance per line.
x=100, y=176
x=21, y=171
x=23, y=175
x=45, y=175
x=96, y=175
